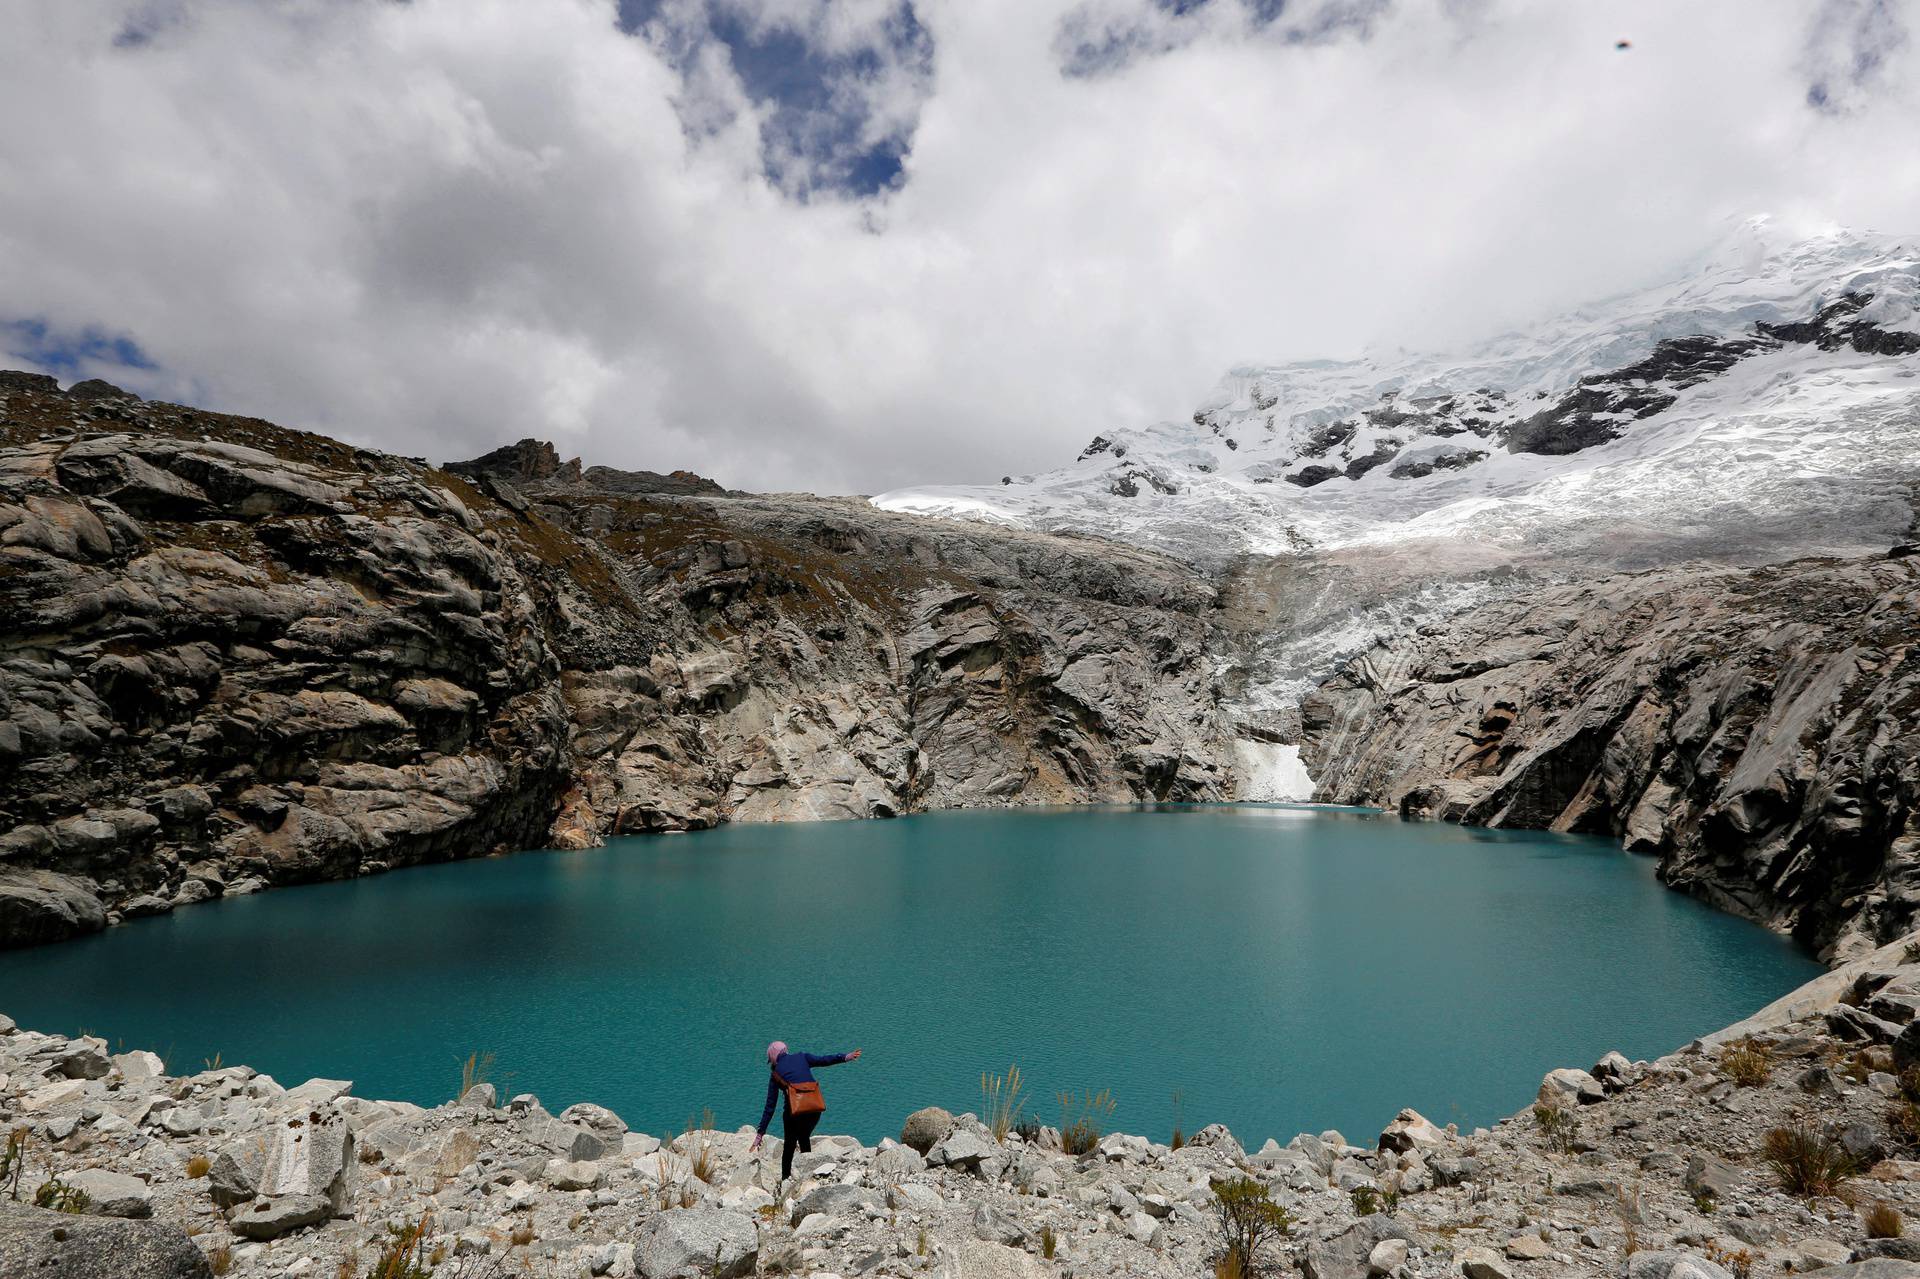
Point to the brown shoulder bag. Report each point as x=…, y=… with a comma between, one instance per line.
x=802, y=1099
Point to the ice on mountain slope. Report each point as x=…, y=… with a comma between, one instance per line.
x=1765, y=404
x=1665, y=423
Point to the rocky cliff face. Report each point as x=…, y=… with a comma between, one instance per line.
x=235, y=655
x=1753, y=728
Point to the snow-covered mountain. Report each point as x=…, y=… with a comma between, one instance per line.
x=1764, y=403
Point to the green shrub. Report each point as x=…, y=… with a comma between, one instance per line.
x=1249, y=1221
x=59, y=1196
x=1557, y=1127
x=13, y=1161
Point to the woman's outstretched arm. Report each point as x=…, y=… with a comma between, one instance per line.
x=833, y=1060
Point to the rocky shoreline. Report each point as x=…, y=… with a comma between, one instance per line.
x=1654, y=1170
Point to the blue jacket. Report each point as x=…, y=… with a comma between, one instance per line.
x=794, y=1068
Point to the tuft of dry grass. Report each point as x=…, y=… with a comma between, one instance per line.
x=1049, y=1242
x=220, y=1259
x=476, y=1069
x=1083, y=1119
x=1000, y=1097
x=699, y=1148
x=522, y=1235
x=199, y=1166
x=1807, y=1161
x=1737, y=1262
x=1748, y=1062
x=1883, y=1221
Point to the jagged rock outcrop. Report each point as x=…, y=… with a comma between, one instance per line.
x=1753, y=728
x=235, y=655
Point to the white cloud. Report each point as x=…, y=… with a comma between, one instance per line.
x=441, y=225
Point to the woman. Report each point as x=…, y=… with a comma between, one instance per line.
x=793, y=1068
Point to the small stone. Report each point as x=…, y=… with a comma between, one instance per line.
x=1529, y=1248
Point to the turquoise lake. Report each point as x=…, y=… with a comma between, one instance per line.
x=1280, y=968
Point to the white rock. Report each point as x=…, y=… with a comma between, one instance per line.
x=565, y=1174
x=1565, y=1087
x=1387, y=1256
x=139, y=1064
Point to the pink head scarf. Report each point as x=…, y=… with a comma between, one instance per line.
x=774, y=1050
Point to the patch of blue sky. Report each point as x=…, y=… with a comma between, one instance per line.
x=818, y=136
x=70, y=354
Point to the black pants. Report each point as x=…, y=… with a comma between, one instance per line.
x=798, y=1130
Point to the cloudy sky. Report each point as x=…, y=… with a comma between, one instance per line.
x=850, y=244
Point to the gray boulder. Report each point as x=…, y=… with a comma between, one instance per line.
x=926, y=1129
x=112, y=1194
x=480, y=1097
x=1906, y=1047
x=84, y=1059
x=834, y=1201
x=598, y=1120
x=994, y=1226
x=569, y=1141
x=302, y=1156
x=1411, y=1130
x=271, y=1218
x=1902, y=1250
x=962, y=1149
x=1568, y=1087
x=1710, y=1176
x=38, y=1244
x=1318, y=1152
x=1483, y=1263
x=1217, y=1137
x=697, y=1243
x=1875, y=1268
x=898, y=1161
x=564, y=1175
x=38, y=906
x=1345, y=1255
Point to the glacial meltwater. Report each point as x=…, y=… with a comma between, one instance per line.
x=1276, y=969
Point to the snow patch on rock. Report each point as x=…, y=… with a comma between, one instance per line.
x=1270, y=771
